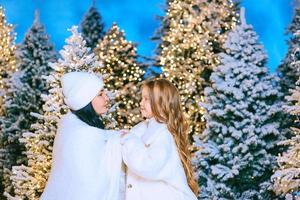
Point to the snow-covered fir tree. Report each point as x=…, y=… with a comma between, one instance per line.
x=124, y=74
x=287, y=177
x=195, y=33
x=26, y=87
x=29, y=180
x=289, y=74
x=7, y=67
x=238, y=146
x=92, y=27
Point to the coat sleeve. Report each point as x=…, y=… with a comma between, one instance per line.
x=146, y=161
x=112, y=134
x=114, y=167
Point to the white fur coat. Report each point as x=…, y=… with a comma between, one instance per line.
x=86, y=163
x=154, y=169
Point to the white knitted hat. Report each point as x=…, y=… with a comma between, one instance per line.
x=80, y=88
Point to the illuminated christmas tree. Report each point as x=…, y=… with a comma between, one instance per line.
x=124, y=74
x=7, y=68
x=7, y=55
x=196, y=32
x=29, y=180
x=26, y=87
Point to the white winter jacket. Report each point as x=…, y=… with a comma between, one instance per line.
x=154, y=169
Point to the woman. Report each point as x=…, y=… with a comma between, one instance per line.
x=156, y=151
x=86, y=158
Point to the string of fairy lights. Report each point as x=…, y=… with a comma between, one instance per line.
x=7, y=68
x=125, y=74
x=7, y=55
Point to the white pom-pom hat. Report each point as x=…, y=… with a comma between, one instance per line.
x=80, y=88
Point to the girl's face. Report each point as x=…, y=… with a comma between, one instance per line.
x=100, y=103
x=145, y=104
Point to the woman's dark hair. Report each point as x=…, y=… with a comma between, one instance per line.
x=88, y=115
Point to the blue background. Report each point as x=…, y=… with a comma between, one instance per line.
x=270, y=19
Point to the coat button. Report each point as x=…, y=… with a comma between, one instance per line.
x=129, y=186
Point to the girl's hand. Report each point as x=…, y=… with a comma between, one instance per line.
x=124, y=132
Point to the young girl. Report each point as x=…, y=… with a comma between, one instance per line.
x=156, y=150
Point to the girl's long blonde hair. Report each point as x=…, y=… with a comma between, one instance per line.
x=166, y=108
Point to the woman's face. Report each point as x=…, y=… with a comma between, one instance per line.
x=145, y=104
x=100, y=103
